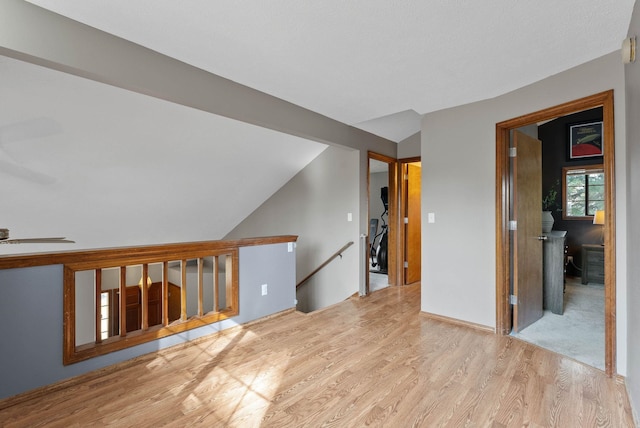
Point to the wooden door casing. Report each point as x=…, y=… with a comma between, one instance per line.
x=394, y=259
x=503, y=190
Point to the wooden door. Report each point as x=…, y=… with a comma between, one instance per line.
x=412, y=244
x=155, y=304
x=527, y=249
x=174, y=302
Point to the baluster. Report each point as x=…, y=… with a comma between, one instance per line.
x=123, y=301
x=183, y=291
x=216, y=285
x=200, y=286
x=98, y=286
x=144, y=296
x=165, y=294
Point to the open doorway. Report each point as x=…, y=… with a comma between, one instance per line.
x=571, y=321
x=378, y=250
x=382, y=242
x=512, y=261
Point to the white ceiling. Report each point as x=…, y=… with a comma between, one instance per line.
x=369, y=63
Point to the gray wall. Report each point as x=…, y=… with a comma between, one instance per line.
x=409, y=147
x=314, y=205
x=458, y=185
x=31, y=311
x=632, y=75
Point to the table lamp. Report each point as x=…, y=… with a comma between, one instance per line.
x=598, y=218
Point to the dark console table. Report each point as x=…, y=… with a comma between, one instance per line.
x=553, y=271
x=592, y=263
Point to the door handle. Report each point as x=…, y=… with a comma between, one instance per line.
x=542, y=238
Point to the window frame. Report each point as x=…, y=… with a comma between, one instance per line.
x=582, y=170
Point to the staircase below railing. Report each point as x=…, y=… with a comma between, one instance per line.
x=119, y=298
x=333, y=256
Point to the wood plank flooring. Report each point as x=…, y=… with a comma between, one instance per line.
x=366, y=361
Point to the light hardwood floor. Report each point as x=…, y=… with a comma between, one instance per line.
x=366, y=361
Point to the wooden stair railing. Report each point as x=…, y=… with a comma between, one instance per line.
x=333, y=256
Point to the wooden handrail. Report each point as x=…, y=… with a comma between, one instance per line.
x=336, y=254
x=13, y=261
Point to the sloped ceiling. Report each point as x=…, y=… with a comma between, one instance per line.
x=73, y=149
x=106, y=166
x=361, y=60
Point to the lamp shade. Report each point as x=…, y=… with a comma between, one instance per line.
x=598, y=217
x=628, y=50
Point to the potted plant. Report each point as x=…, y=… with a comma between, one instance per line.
x=548, y=204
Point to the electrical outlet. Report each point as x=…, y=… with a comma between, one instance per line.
x=264, y=289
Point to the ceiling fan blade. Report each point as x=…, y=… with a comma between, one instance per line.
x=37, y=241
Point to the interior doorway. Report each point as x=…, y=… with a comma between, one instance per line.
x=508, y=302
x=382, y=242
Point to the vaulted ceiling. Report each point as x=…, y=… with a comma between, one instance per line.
x=109, y=167
x=73, y=149
x=376, y=64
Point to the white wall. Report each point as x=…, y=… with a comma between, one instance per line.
x=85, y=307
x=458, y=181
x=314, y=206
x=632, y=75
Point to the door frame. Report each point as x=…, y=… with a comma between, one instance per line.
x=392, y=237
x=503, y=188
x=402, y=204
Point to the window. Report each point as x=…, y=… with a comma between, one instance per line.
x=583, y=191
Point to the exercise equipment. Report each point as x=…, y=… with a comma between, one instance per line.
x=378, y=253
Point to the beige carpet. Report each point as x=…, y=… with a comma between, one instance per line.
x=579, y=332
x=378, y=281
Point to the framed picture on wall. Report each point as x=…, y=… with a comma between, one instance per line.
x=585, y=140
